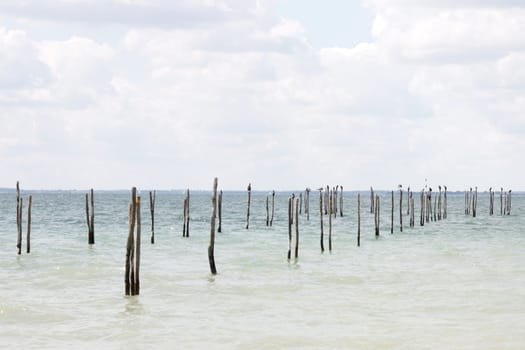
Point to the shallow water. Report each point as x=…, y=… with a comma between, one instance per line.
x=457, y=283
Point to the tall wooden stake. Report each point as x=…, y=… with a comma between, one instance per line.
x=341, y=203
x=377, y=213
x=152, y=211
x=128, y=280
x=248, y=206
x=400, y=209
x=359, y=219
x=220, y=212
x=137, y=250
x=211, y=247
x=392, y=215
x=90, y=218
x=297, y=206
x=321, y=217
x=273, y=208
x=290, y=228
x=28, y=237
x=330, y=209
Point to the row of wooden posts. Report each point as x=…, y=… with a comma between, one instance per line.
x=431, y=209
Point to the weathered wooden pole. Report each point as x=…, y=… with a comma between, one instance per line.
x=400, y=208
x=321, y=216
x=248, y=205
x=439, y=204
x=19, y=219
x=90, y=218
x=475, y=202
x=129, y=279
x=335, y=190
x=300, y=203
x=501, y=201
x=152, y=211
x=273, y=208
x=137, y=250
x=359, y=219
x=408, y=201
x=445, y=203
x=377, y=208
x=326, y=199
x=290, y=214
x=186, y=216
x=220, y=212
x=307, y=204
x=293, y=201
x=491, y=203
x=341, y=202
x=429, y=205
x=392, y=215
x=28, y=237
x=509, y=202
x=211, y=246
x=330, y=210
x=423, y=202
x=412, y=218
x=297, y=209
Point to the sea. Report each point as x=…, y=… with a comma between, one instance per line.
x=456, y=283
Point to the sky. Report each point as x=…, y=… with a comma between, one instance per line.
x=282, y=94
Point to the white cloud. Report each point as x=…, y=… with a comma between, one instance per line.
x=189, y=90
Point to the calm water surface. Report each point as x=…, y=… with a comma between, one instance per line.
x=452, y=284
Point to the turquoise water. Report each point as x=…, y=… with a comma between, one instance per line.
x=453, y=284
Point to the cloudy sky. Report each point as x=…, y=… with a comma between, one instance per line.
x=280, y=93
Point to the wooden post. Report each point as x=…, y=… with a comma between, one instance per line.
x=19, y=218
x=501, y=201
x=412, y=218
x=439, y=203
x=434, y=210
x=475, y=202
x=429, y=205
x=186, y=216
x=297, y=206
x=330, y=209
x=128, y=280
x=377, y=208
x=400, y=208
x=211, y=246
x=509, y=202
x=307, y=204
x=422, y=210
x=392, y=215
x=290, y=228
x=326, y=199
x=300, y=203
x=137, y=250
x=90, y=218
x=445, y=203
x=273, y=208
x=359, y=219
x=334, y=200
x=321, y=216
x=152, y=211
x=220, y=212
x=491, y=202
x=408, y=201
x=341, y=202
x=28, y=237
x=248, y=206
